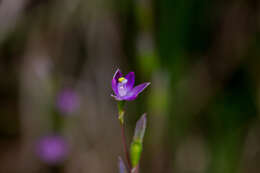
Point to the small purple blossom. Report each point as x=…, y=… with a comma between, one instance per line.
x=67, y=101
x=123, y=87
x=52, y=149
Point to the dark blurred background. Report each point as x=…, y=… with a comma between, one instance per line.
x=57, y=59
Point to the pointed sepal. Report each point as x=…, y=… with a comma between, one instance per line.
x=137, y=143
x=140, y=128
x=121, y=165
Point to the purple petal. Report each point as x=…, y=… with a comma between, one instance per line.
x=114, y=82
x=135, y=91
x=118, y=98
x=130, y=80
x=123, y=89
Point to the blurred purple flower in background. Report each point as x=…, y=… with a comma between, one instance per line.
x=123, y=87
x=67, y=101
x=52, y=149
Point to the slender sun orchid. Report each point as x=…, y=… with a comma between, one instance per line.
x=123, y=87
x=124, y=90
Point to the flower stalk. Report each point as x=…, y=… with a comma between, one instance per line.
x=127, y=156
x=121, y=114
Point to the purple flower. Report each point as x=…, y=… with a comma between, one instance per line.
x=123, y=87
x=67, y=101
x=52, y=149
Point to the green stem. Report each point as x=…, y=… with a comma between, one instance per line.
x=125, y=148
x=121, y=113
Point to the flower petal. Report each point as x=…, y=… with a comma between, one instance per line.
x=135, y=91
x=114, y=82
x=116, y=97
x=124, y=87
x=130, y=80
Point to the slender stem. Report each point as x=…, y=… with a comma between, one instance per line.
x=125, y=148
x=137, y=169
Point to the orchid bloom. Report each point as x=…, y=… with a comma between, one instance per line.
x=123, y=87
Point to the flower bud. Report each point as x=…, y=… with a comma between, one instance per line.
x=135, y=152
x=140, y=129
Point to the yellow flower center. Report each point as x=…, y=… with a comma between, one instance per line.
x=122, y=79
